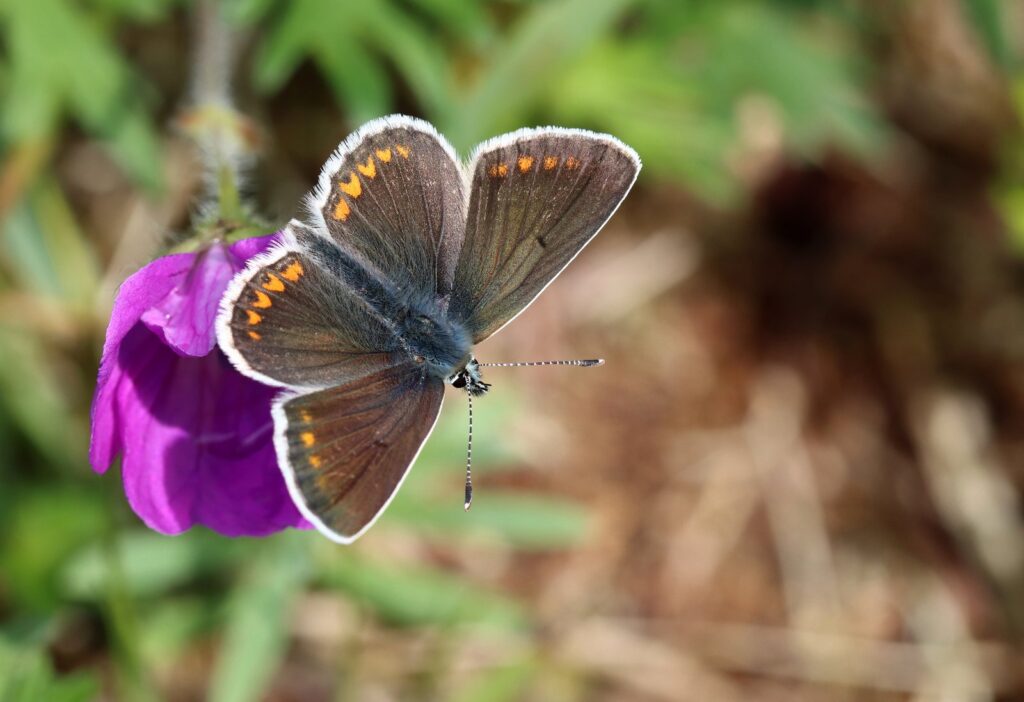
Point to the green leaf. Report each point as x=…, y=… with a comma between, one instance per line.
x=26, y=675
x=445, y=451
x=538, y=48
x=348, y=43
x=500, y=683
x=417, y=596
x=42, y=529
x=135, y=145
x=630, y=90
x=85, y=79
x=168, y=625
x=465, y=19
x=256, y=635
x=152, y=563
x=415, y=54
x=33, y=392
x=139, y=10
x=529, y=522
x=991, y=21
x=674, y=88
x=66, y=264
x=359, y=82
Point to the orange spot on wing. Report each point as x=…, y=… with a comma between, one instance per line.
x=306, y=416
x=293, y=272
x=571, y=163
x=353, y=188
x=255, y=336
x=273, y=283
x=550, y=162
x=307, y=438
x=342, y=210
x=262, y=300
x=369, y=169
x=254, y=317
x=499, y=170
x=402, y=150
x=383, y=154
x=315, y=461
x=525, y=163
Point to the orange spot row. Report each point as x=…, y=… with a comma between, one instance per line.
x=308, y=438
x=353, y=187
x=315, y=461
x=525, y=164
x=254, y=317
x=255, y=336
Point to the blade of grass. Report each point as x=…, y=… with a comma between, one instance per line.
x=256, y=634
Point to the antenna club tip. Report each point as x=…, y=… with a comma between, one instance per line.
x=466, y=506
x=594, y=362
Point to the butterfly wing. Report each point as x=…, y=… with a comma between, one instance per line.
x=393, y=193
x=287, y=320
x=538, y=196
x=346, y=450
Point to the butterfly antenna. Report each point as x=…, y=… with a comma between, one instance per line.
x=469, y=454
x=583, y=363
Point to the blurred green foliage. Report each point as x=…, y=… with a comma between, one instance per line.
x=26, y=675
x=669, y=77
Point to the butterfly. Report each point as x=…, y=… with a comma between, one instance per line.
x=406, y=260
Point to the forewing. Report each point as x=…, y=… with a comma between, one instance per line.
x=285, y=321
x=345, y=450
x=537, y=197
x=393, y=193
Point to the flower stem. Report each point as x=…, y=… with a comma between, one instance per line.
x=225, y=138
x=229, y=201
x=132, y=679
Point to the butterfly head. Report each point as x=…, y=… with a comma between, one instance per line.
x=469, y=377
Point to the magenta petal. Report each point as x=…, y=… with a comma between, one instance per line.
x=177, y=297
x=143, y=289
x=244, y=249
x=196, y=436
x=185, y=317
x=198, y=444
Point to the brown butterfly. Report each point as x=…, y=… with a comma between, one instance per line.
x=408, y=259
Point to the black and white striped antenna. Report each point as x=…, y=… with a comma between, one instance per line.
x=469, y=454
x=581, y=363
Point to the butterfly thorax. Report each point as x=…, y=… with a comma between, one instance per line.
x=433, y=340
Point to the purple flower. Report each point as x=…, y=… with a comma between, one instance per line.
x=196, y=437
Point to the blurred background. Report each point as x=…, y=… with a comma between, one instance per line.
x=798, y=477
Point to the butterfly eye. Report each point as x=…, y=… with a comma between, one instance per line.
x=419, y=359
